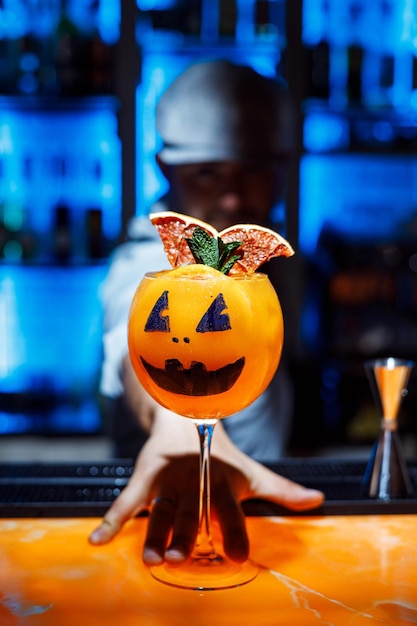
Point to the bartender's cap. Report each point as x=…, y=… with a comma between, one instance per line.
x=218, y=111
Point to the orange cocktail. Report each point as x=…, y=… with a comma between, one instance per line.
x=203, y=344
x=205, y=340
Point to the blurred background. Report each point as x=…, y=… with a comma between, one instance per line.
x=79, y=80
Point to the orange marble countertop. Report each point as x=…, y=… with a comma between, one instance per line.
x=333, y=570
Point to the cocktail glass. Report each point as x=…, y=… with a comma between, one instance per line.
x=205, y=346
x=386, y=476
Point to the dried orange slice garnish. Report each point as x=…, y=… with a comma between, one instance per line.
x=174, y=229
x=257, y=244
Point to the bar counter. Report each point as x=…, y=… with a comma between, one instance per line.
x=314, y=570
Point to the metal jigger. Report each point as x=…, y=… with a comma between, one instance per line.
x=386, y=475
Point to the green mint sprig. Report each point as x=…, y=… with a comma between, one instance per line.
x=213, y=251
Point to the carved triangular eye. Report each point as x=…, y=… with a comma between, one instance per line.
x=214, y=319
x=157, y=322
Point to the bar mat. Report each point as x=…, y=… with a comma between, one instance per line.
x=88, y=489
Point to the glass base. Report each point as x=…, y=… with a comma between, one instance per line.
x=202, y=574
x=386, y=476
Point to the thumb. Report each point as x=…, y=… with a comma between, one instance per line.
x=126, y=506
x=270, y=486
x=299, y=498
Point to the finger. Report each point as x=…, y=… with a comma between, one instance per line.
x=160, y=523
x=298, y=498
x=283, y=491
x=233, y=526
x=126, y=506
x=184, y=532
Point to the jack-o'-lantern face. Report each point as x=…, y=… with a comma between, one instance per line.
x=195, y=380
x=196, y=333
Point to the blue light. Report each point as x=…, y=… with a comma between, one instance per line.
x=358, y=196
x=12, y=250
x=324, y=132
x=383, y=131
x=63, y=417
x=103, y=16
x=29, y=62
x=28, y=84
x=68, y=418
x=155, y=5
x=50, y=329
x=14, y=19
x=14, y=423
x=19, y=18
x=79, y=156
x=315, y=19
x=378, y=25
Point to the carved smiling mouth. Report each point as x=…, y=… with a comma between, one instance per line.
x=197, y=380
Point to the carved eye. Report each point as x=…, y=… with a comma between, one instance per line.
x=214, y=319
x=157, y=322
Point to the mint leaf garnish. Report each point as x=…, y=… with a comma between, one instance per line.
x=204, y=247
x=213, y=251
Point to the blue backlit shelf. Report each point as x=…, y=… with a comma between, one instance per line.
x=60, y=201
x=60, y=208
x=50, y=347
x=358, y=129
x=56, y=152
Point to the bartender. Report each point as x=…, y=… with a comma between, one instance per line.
x=227, y=136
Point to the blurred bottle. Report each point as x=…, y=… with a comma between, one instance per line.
x=9, y=68
x=72, y=72
x=17, y=239
x=262, y=19
x=62, y=237
x=3, y=231
x=317, y=70
x=100, y=53
x=227, y=18
x=354, y=80
x=95, y=241
x=28, y=82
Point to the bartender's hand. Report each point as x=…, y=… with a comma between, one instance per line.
x=165, y=481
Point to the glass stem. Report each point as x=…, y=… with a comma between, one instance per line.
x=204, y=547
